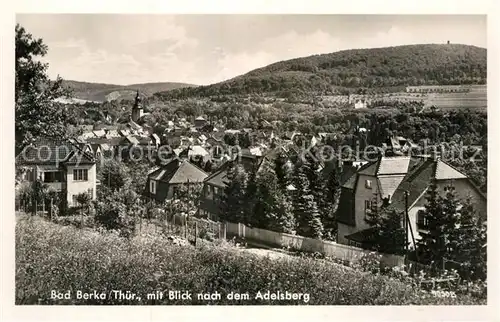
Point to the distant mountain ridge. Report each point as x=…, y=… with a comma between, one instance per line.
x=99, y=92
x=375, y=68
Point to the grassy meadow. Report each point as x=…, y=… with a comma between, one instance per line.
x=53, y=258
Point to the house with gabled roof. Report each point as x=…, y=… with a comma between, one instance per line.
x=61, y=165
x=385, y=181
x=199, y=122
x=214, y=184
x=164, y=181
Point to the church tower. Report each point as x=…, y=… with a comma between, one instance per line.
x=137, y=111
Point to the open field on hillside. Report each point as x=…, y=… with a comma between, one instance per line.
x=476, y=98
x=66, y=260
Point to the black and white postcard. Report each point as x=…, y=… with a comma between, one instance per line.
x=237, y=159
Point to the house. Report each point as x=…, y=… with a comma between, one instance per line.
x=199, y=122
x=192, y=151
x=232, y=131
x=62, y=165
x=111, y=133
x=99, y=133
x=164, y=181
x=384, y=182
x=214, y=185
x=155, y=140
x=94, y=149
x=360, y=104
x=398, y=145
x=129, y=140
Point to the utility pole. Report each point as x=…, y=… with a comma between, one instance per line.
x=407, y=221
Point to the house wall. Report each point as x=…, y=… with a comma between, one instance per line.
x=463, y=190
x=362, y=194
x=162, y=190
x=210, y=203
x=77, y=187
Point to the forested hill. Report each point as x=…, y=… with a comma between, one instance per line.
x=376, y=68
x=108, y=92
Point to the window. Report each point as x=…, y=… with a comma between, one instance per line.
x=208, y=192
x=367, y=207
x=368, y=184
x=52, y=176
x=371, y=207
x=75, y=202
x=422, y=221
x=152, y=186
x=80, y=175
x=30, y=175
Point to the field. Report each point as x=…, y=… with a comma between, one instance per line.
x=457, y=100
x=476, y=98
x=58, y=260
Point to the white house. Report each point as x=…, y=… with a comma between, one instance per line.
x=61, y=165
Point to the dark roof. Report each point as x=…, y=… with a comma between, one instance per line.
x=95, y=147
x=53, y=152
x=109, y=141
x=177, y=171
x=365, y=236
x=420, y=177
x=219, y=177
x=132, y=139
x=366, y=168
x=415, y=182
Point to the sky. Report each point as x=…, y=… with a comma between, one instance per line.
x=204, y=49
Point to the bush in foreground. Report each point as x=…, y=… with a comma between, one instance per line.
x=50, y=258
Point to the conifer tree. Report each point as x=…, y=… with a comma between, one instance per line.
x=272, y=208
x=468, y=242
x=307, y=216
x=442, y=219
x=253, y=215
x=330, y=201
x=233, y=200
x=282, y=172
x=282, y=218
x=389, y=234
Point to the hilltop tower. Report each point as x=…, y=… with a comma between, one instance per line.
x=137, y=110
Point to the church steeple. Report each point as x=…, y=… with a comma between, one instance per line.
x=137, y=109
x=137, y=100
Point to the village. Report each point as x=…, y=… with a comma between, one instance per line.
x=192, y=152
